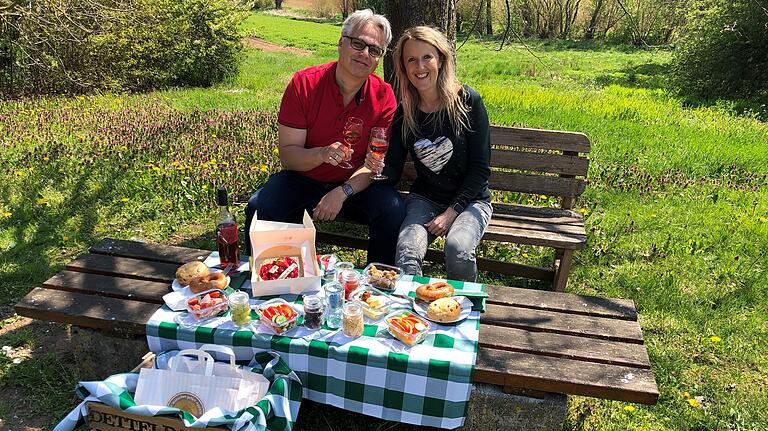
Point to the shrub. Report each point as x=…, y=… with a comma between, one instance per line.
x=75, y=47
x=258, y=4
x=723, y=52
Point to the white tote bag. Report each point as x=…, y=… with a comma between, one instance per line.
x=194, y=382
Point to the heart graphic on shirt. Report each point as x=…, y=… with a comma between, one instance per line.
x=434, y=155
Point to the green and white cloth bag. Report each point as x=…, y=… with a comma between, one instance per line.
x=277, y=411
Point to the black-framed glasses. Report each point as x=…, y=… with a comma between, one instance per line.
x=359, y=45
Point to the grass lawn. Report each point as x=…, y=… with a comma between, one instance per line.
x=676, y=208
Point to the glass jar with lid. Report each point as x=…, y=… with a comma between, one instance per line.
x=352, y=322
x=313, y=311
x=240, y=309
x=350, y=279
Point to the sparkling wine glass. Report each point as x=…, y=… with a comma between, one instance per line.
x=352, y=132
x=378, y=146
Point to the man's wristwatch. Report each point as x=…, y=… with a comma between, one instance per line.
x=457, y=207
x=348, y=190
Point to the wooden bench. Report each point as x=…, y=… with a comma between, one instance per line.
x=529, y=161
x=529, y=340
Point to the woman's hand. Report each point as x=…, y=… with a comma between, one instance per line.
x=336, y=153
x=440, y=225
x=373, y=164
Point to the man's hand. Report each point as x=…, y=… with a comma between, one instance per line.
x=336, y=153
x=330, y=205
x=440, y=225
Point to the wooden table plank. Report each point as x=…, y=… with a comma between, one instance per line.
x=124, y=267
x=562, y=323
x=145, y=251
x=89, y=311
x=566, y=376
x=623, y=309
x=564, y=346
x=105, y=285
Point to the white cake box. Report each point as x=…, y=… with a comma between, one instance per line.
x=270, y=240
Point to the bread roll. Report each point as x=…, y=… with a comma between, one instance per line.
x=430, y=292
x=444, y=310
x=214, y=280
x=190, y=270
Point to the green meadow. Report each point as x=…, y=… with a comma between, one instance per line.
x=676, y=208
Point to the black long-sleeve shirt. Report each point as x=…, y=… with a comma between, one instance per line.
x=450, y=169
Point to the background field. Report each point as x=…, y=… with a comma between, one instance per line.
x=676, y=208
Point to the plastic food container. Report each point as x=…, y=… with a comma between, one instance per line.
x=278, y=314
x=207, y=304
x=374, y=302
x=381, y=276
x=407, y=326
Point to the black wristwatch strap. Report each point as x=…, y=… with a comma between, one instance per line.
x=348, y=190
x=457, y=207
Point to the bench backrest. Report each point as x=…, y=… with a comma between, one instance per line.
x=534, y=161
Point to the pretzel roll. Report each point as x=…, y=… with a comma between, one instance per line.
x=432, y=291
x=214, y=280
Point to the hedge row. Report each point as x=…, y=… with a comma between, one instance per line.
x=71, y=46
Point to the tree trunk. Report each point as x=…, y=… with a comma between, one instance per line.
x=278, y=4
x=526, y=15
x=488, y=18
x=404, y=14
x=589, y=34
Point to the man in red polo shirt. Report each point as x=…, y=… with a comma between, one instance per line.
x=314, y=110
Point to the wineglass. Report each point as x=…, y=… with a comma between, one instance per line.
x=352, y=132
x=378, y=146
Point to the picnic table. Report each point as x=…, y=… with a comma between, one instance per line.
x=531, y=340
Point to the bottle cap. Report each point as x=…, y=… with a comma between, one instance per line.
x=222, y=197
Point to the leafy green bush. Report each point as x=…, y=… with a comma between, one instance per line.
x=258, y=4
x=78, y=47
x=723, y=52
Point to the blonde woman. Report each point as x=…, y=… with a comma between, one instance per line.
x=444, y=127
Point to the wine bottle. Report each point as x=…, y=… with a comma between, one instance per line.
x=226, y=233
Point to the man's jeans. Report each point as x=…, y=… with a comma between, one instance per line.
x=287, y=194
x=460, y=243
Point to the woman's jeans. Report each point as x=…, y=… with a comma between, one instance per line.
x=460, y=243
x=287, y=194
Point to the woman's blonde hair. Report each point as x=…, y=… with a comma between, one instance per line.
x=448, y=86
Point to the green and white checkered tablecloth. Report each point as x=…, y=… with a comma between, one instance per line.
x=377, y=375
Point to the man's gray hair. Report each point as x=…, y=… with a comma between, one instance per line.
x=365, y=16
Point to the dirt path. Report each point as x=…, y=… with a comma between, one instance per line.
x=300, y=4
x=252, y=42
